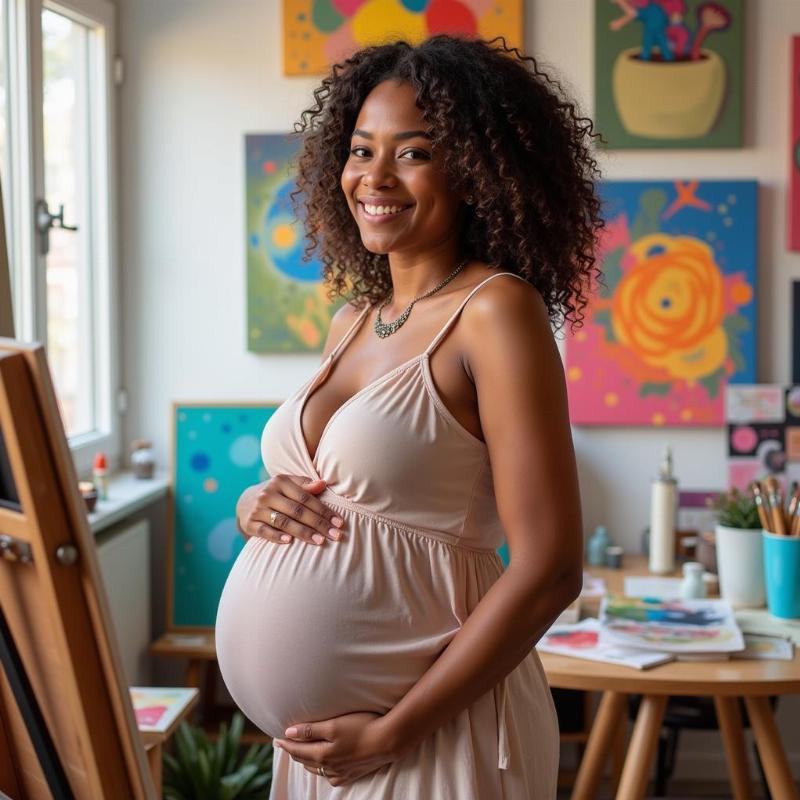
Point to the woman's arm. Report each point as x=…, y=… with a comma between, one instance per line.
x=514, y=362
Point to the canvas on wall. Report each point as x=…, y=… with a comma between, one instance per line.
x=793, y=216
x=674, y=321
x=288, y=310
x=318, y=33
x=669, y=73
x=763, y=422
x=216, y=455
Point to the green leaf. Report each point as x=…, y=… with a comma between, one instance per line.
x=651, y=387
x=648, y=221
x=612, y=271
x=736, y=323
x=603, y=318
x=712, y=382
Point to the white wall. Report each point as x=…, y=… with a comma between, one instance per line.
x=202, y=73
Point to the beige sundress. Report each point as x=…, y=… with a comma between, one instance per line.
x=306, y=633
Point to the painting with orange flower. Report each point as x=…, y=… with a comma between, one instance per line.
x=675, y=320
x=318, y=33
x=287, y=306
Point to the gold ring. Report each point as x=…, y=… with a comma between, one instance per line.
x=321, y=770
x=272, y=517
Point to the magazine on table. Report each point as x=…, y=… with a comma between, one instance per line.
x=672, y=626
x=581, y=640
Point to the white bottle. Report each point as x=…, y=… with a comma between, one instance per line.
x=663, y=505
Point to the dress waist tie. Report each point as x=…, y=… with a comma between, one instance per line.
x=501, y=693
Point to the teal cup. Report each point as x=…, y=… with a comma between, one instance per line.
x=782, y=575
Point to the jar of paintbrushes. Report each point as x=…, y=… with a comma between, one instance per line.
x=780, y=516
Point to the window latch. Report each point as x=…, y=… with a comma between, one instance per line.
x=45, y=221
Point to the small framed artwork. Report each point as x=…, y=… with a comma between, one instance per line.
x=216, y=455
x=318, y=33
x=793, y=216
x=288, y=310
x=675, y=320
x=763, y=424
x=669, y=73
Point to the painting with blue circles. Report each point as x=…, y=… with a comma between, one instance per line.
x=288, y=310
x=217, y=454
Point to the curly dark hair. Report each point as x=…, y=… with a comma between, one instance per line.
x=507, y=136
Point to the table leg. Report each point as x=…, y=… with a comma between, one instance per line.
x=192, y=675
x=770, y=749
x=210, y=689
x=730, y=725
x=618, y=754
x=609, y=717
x=154, y=762
x=636, y=771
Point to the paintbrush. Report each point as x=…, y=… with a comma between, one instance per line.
x=761, y=505
x=793, y=513
x=776, y=504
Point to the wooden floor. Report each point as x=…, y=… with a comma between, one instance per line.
x=685, y=790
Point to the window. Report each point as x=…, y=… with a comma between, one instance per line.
x=56, y=157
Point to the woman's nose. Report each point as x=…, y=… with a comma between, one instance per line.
x=379, y=173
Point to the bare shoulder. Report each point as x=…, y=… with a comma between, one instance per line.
x=504, y=308
x=341, y=321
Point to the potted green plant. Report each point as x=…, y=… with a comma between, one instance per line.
x=740, y=560
x=202, y=769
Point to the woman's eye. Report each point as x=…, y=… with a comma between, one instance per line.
x=358, y=151
x=418, y=155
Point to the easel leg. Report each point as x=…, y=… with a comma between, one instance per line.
x=730, y=725
x=643, y=742
x=590, y=771
x=154, y=762
x=773, y=757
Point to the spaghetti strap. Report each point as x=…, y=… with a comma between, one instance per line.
x=345, y=340
x=443, y=332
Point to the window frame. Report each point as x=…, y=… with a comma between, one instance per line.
x=26, y=184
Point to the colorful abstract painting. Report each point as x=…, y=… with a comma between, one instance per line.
x=793, y=223
x=287, y=307
x=669, y=73
x=318, y=33
x=216, y=456
x=763, y=433
x=675, y=320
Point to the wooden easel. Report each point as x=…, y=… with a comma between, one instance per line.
x=85, y=743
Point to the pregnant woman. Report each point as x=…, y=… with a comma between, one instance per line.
x=368, y=624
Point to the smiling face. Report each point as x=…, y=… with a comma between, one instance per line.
x=399, y=196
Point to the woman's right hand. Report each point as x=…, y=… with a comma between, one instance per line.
x=299, y=514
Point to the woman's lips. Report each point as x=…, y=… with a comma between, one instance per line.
x=380, y=218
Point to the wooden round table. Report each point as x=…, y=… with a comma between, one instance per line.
x=752, y=680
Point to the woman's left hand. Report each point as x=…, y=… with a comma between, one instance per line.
x=346, y=747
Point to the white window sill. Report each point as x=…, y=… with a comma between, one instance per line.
x=126, y=494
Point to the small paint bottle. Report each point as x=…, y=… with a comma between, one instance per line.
x=100, y=475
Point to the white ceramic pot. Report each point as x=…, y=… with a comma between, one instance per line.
x=740, y=566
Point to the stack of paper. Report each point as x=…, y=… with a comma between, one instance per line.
x=706, y=627
x=581, y=640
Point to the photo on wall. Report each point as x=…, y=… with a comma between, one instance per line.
x=763, y=424
x=288, y=310
x=318, y=33
x=669, y=73
x=674, y=321
x=793, y=215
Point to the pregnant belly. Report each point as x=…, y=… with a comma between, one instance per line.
x=306, y=633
